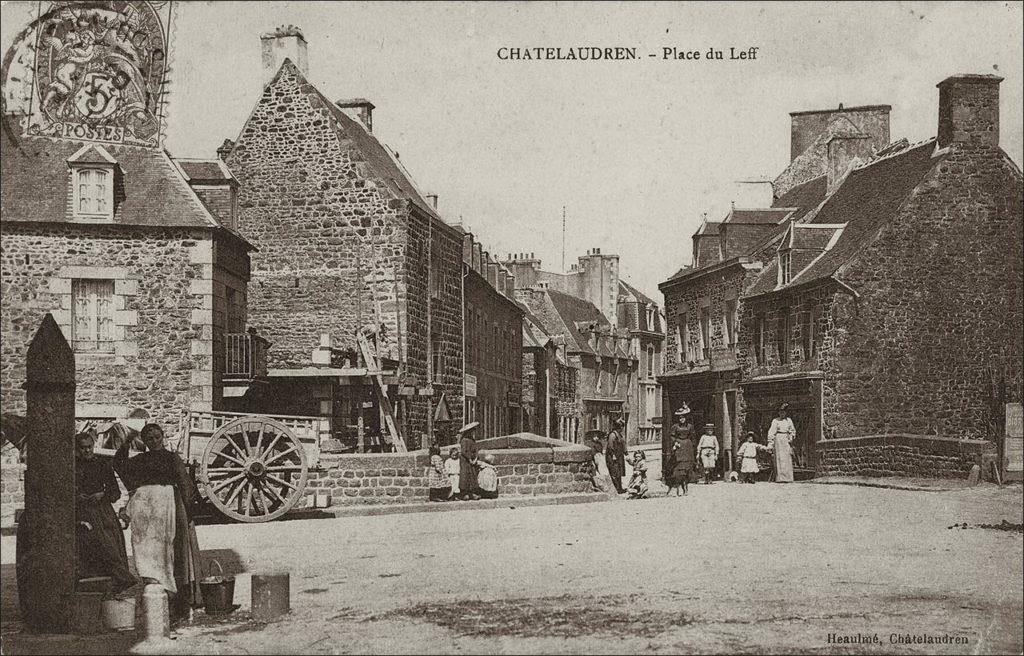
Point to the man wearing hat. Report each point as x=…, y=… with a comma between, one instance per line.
x=707, y=450
x=467, y=464
x=615, y=454
x=780, y=438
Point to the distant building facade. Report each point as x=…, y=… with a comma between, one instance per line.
x=493, y=346
x=595, y=278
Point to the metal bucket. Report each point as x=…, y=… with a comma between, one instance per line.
x=119, y=614
x=218, y=592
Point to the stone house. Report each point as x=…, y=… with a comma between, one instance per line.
x=549, y=382
x=891, y=316
x=146, y=281
x=704, y=301
x=346, y=242
x=605, y=370
x=493, y=344
x=595, y=278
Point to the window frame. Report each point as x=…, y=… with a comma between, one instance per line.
x=704, y=325
x=785, y=344
x=77, y=172
x=93, y=342
x=760, y=341
x=785, y=267
x=729, y=316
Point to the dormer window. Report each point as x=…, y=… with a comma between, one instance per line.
x=785, y=267
x=92, y=183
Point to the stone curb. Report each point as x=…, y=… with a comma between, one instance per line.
x=451, y=506
x=907, y=487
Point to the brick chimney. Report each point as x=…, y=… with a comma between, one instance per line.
x=969, y=110
x=361, y=109
x=845, y=152
x=286, y=42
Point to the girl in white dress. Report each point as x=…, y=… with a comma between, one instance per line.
x=747, y=456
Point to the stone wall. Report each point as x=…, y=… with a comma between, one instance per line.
x=12, y=491
x=494, y=355
x=901, y=455
x=402, y=478
x=339, y=250
x=683, y=301
x=163, y=313
x=934, y=344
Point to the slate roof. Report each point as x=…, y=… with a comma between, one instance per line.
x=811, y=236
x=575, y=313
x=760, y=216
x=804, y=197
x=738, y=239
x=205, y=170
x=630, y=300
x=870, y=196
x=149, y=191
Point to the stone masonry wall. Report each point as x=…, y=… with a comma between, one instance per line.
x=940, y=321
x=12, y=491
x=329, y=237
x=162, y=313
x=900, y=455
x=338, y=250
x=402, y=478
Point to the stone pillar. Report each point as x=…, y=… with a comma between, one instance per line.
x=46, y=547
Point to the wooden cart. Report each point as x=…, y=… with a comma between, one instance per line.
x=252, y=468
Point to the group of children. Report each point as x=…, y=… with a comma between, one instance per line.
x=445, y=476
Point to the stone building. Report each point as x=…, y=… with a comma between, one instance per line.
x=704, y=301
x=598, y=352
x=147, y=282
x=493, y=344
x=891, y=316
x=595, y=278
x=346, y=242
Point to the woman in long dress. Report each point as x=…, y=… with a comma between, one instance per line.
x=780, y=437
x=601, y=480
x=164, y=544
x=101, y=548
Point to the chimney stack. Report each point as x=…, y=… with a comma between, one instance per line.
x=360, y=109
x=969, y=110
x=286, y=42
x=225, y=149
x=845, y=152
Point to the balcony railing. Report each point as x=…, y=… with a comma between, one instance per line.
x=245, y=355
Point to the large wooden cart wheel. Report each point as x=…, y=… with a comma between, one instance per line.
x=254, y=469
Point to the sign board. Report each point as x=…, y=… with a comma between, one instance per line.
x=470, y=385
x=1014, y=445
x=92, y=71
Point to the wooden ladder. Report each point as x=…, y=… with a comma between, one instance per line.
x=373, y=365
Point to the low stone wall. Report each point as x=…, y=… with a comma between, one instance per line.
x=402, y=477
x=373, y=478
x=902, y=455
x=12, y=491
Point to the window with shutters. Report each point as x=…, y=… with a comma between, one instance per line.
x=92, y=315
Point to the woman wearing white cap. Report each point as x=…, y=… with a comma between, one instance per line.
x=780, y=438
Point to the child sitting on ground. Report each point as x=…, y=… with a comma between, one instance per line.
x=637, y=487
x=487, y=478
x=451, y=468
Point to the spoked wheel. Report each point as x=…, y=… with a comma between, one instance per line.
x=254, y=469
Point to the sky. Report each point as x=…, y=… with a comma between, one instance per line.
x=636, y=151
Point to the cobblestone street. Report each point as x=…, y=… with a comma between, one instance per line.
x=730, y=568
